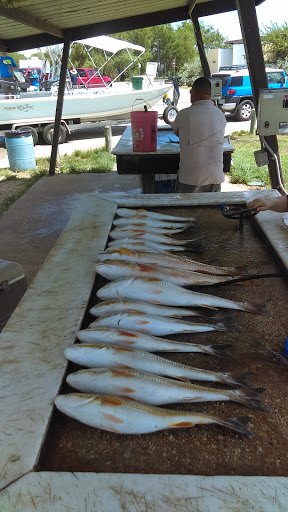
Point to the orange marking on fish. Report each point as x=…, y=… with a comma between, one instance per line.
x=182, y=424
x=141, y=210
x=110, y=400
x=124, y=333
x=127, y=252
x=157, y=291
x=111, y=417
x=125, y=366
x=145, y=268
x=121, y=349
x=126, y=390
x=143, y=322
x=121, y=373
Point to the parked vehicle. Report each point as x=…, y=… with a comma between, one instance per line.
x=91, y=77
x=237, y=96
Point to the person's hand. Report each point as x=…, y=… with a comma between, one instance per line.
x=260, y=205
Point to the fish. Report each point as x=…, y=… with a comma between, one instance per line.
x=147, y=246
x=128, y=212
x=155, y=325
x=124, y=416
x=117, y=234
x=121, y=221
x=148, y=229
x=117, y=306
x=165, y=259
x=146, y=342
x=111, y=356
x=117, y=269
x=155, y=390
x=162, y=292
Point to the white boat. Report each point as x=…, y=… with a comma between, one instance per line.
x=37, y=111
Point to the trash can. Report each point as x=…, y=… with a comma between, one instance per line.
x=20, y=149
x=137, y=82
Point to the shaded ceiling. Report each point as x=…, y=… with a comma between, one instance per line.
x=26, y=24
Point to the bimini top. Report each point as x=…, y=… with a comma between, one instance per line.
x=110, y=44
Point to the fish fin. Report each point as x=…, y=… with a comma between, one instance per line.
x=239, y=424
x=249, y=398
x=127, y=252
x=110, y=400
x=182, y=424
x=184, y=379
x=219, y=350
x=208, y=307
x=113, y=418
x=238, y=379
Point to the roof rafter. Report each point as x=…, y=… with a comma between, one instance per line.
x=32, y=21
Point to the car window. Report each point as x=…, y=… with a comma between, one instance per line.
x=275, y=77
x=236, y=81
x=90, y=72
x=81, y=72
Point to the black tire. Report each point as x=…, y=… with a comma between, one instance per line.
x=34, y=133
x=108, y=84
x=169, y=114
x=244, y=111
x=47, y=134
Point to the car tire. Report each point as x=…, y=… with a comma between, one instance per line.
x=47, y=134
x=34, y=133
x=109, y=84
x=244, y=111
x=170, y=114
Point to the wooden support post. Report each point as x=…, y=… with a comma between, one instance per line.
x=200, y=45
x=60, y=101
x=253, y=122
x=253, y=48
x=108, y=138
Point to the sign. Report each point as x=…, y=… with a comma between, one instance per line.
x=173, y=63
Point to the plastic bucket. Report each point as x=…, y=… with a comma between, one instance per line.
x=137, y=82
x=144, y=131
x=20, y=149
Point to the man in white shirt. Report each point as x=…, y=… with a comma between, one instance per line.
x=200, y=128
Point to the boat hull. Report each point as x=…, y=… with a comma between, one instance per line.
x=87, y=106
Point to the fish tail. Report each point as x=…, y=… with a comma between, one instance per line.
x=238, y=424
x=249, y=398
x=219, y=350
x=237, y=379
x=254, y=306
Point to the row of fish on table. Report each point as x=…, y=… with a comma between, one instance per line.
x=124, y=382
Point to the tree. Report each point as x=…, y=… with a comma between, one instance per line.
x=275, y=42
x=211, y=38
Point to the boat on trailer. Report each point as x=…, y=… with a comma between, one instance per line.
x=36, y=111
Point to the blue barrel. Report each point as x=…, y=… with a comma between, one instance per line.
x=20, y=149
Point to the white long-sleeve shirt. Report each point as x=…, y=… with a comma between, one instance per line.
x=200, y=128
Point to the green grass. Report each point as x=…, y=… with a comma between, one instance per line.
x=90, y=161
x=244, y=168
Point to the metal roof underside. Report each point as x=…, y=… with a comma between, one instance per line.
x=26, y=24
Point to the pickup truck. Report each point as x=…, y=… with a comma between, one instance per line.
x=237, y=96
x=91, y=77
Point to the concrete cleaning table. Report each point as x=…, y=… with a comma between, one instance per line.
x=164, y=161
x=33, y=367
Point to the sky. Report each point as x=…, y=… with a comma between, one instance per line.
x=275, y=11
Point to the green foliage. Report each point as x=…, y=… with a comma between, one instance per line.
x=93, y=160
x=190, y=71
x=244, y=168
x=275, y=41
x=212, y=38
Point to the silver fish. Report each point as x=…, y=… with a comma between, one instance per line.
x=165, y=259
x=147, y=246
x=117, y=269
x=110, y=356
x=127, y=212
x=118, y=306
x=148, y=229
x=161, y=292
x=147, y=235
x=155, y=390
x=155, y=325
x=122, y=416
x=121, y=221
x=143, y=341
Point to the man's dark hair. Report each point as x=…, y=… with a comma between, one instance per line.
x=202, y=85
